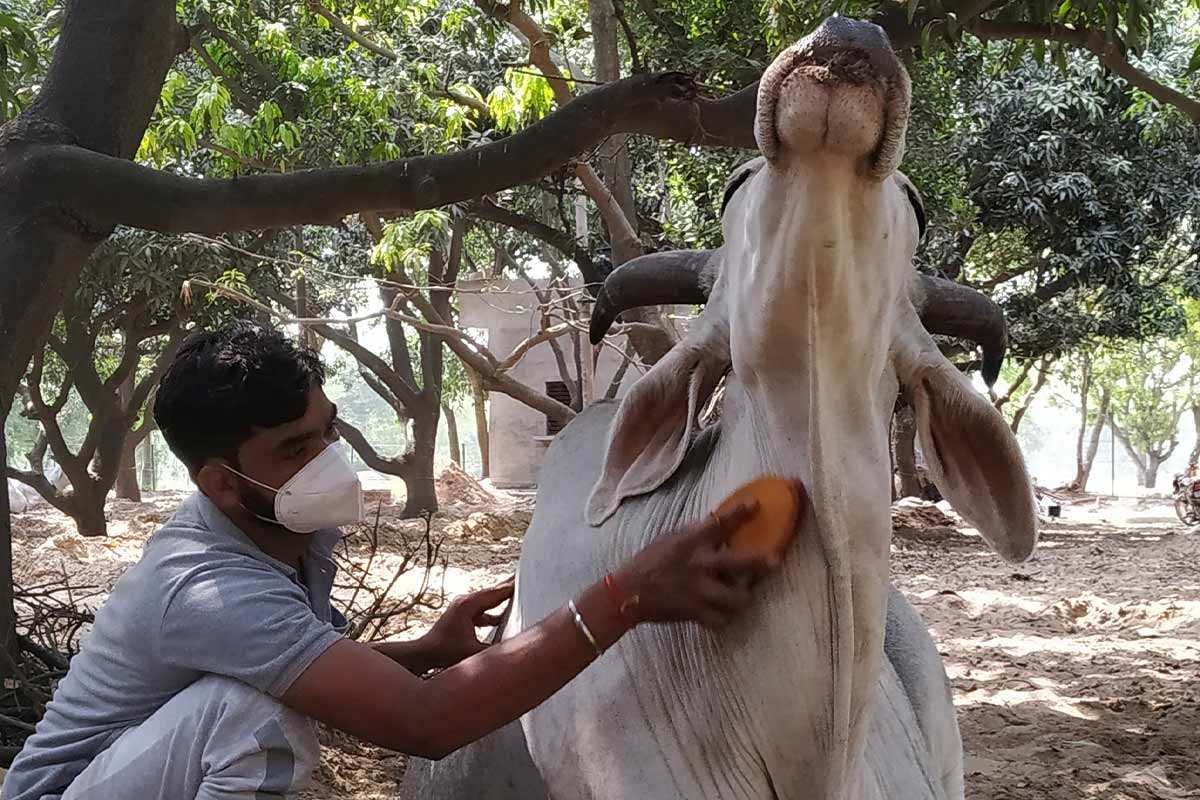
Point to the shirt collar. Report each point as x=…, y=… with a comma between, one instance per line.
x=320, y=543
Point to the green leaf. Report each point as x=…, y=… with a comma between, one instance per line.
x=187, y=134
x=1060, y=58
x=927, y=36
x=912, y=10
x=289, y=135
x=1194, y=64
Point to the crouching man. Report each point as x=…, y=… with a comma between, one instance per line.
x=206, y=668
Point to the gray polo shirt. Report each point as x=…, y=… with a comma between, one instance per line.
x=203, y=599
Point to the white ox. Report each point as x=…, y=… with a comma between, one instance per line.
x=21, y=497
x=830, y=688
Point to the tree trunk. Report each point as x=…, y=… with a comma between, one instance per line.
x=99, y=93
x=89, y=516
x=1138, y=462
x=617, y=169
x=906, y=452
x=415, y=467
x=479, y=398
x=1087, y=456
x=419, y=479
x=1081, y=469
x=148, y=477
x=127, y=474
x=1153, y=462
x=1043, y=375
x=1194, y=458
x=302, y=312
x=456, y=453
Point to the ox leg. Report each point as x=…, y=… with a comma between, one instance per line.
x=918, y=666
x=497, y=767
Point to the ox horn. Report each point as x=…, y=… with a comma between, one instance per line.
x=673, y=277
x=951, y=309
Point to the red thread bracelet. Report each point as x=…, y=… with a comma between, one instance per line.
x=622, y=603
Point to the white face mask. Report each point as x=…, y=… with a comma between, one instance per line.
x=325, y=493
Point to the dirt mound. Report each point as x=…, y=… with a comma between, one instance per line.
x=912, y=513
x=1091, y=613
x=456, y=486
x=494, y=525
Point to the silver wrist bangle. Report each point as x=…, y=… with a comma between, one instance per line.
x=584, y=629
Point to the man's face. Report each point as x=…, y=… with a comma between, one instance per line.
x=272, y=456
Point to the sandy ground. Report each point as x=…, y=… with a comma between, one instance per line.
x=1075, y=674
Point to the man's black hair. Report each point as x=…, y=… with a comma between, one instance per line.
x=224, y=384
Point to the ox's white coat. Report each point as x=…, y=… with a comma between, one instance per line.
x=812, y=318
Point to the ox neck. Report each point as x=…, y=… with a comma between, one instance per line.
x=817, y=408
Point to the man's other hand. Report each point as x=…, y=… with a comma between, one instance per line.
x=453, y=637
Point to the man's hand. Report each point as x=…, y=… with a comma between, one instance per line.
x=453, y=638
x=692, y=575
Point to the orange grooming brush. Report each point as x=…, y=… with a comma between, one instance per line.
x=771, y=527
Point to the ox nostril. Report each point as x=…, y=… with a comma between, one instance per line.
x=839, y=33
x=853, y=33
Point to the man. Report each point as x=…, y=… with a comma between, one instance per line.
x=206, y=667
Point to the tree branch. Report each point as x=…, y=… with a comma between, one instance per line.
x=1038, y=385
x=236, y=45
x=403, y=391
x=544, y=299
x=635, y=60
x=614, y=385
x=467, y=101
x=391, y=296
x=142, y=391
x=383, y=391
x=338, y=24
x=370, y=456
x=471, y=353
x=620, y=229
x=102, y=191
x=38, y=482
x=1004, y=277
x=240, y=96
x=521, y=350
x=71, y=466
x=1130, y=450
x=562, y=241
x=1001, y=400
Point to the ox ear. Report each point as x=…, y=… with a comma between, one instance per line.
x=973, y=457
x=653, y=427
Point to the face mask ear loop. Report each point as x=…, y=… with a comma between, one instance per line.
x=247, y=477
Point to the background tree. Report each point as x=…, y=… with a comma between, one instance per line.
x=1082, y=229
x=1150, y=384
x=114, y=338
x=1092, y=398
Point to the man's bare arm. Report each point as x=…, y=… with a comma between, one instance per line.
x=357, y=689
x=352, y=687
